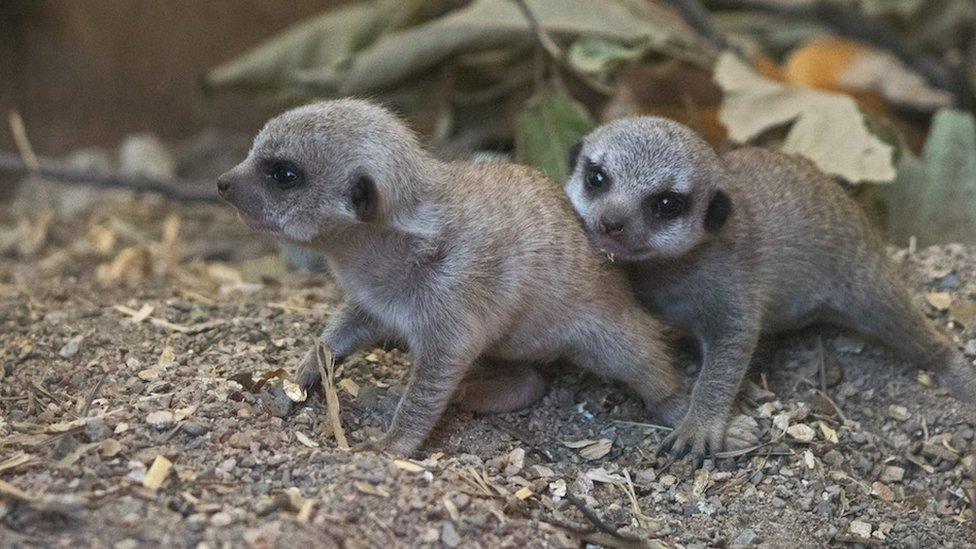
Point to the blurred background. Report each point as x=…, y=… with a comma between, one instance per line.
x=164, y=96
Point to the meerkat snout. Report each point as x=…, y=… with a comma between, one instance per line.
x=639, y=198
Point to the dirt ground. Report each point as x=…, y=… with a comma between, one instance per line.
x=150, y=333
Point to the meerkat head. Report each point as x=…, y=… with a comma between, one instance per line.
x=647, y=188
x=316, y=171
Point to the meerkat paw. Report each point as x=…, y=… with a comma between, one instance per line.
x=694, y=438
x=401, y=446
x=307, y=376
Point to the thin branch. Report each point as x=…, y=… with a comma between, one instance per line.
x=182, y=190
x=552, y=49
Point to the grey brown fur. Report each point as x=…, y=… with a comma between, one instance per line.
x=462, y=263
x=766, y=243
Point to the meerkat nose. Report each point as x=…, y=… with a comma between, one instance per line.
x=223, y=183
x=611, y=225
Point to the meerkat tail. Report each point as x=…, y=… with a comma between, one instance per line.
x=885, y=313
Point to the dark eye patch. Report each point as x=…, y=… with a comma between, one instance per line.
x=595, y=177
x=669, y=205
x=283, y=174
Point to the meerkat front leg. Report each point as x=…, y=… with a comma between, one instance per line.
x=348, y=330
x=437, y=371
x=725, y=360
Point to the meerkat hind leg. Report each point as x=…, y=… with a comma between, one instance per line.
x=886, y=313
x=495, y=389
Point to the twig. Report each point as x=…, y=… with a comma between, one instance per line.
x=19, y=132
x=92, y=393
x=326, y=363
x=182, y=190
x=699, y=19
x=596, y=521
x=512, y=432
x=548, y=45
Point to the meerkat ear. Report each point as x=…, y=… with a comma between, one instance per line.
x=362, y=196
x=718, y=211
x=574, y=153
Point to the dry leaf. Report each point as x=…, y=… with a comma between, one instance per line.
x=701, y=483
x=898, y=412
x=349, y=386
x=157, y=473
x=882, y=491
x=598, y=450
x=576, y=444
x=829, y=434
x=601, y=475
x=925, y=378
x=801, y=432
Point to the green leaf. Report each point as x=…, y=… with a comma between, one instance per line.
x=827, y=128
x=600, y=58
x=934, y=197
x=548, y=126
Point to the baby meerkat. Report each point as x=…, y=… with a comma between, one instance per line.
x=731, y=246
x=462, y=263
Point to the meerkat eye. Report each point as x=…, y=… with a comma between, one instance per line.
x=595, y=177
x=669, y=205
x=284, y=174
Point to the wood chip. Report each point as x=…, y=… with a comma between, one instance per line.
x=157, y=473
x=326, y=363
x=452, y=509
x=303, y=438
x=408, y=466
x=370, y=489
x=349, y=386
x=16, y=460
x=939, y=300
x=523, y=493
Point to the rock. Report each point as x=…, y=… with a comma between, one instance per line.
x=221, y=519
x=449, y=535
x=801, y=432
x=96, y=430
x=240, y=440
x=275, y=400
x=744, y=539
x=161, y=419
x=860, y=528
x=892, y=473
x=196, y=427
x=71, y=347
x=898, y=412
